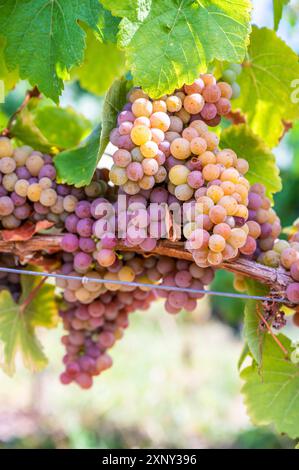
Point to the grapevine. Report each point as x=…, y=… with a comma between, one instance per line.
x=187, y=189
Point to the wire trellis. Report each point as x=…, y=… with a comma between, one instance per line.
x=85, y=279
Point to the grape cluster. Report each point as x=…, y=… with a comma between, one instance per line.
x=97, y=313
x=217, y=229
x=28, y=188
x=230, y=75
x=93, y=329
x=263, y=221
x=183, y=274
x=150, y=131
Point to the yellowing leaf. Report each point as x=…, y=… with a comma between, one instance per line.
x=42, y=310
x=18, y=322
x=17, y=335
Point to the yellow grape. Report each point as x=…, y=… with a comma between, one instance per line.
x=242, y=166
x=237, y=238
x=207, y=157
x=126, y=273
x=178, y=174
x=230, y=174
x=140, y=134
x=198, y=145
x=229, y=204
x=173, y=103
x=228, y=188
x=215, y=192
x=211, y=172
x=34, y=192
x=159, y=105
x=142, y=107
x=21, y=188
x=241, y=211
x=216, y=243
x=180, y=148
x=157, y=135
x=149, y=149
x=48, y=197
x=6, y=148
x=215, y=258
x=118, y=175
x=160, y=120
x=183, y=192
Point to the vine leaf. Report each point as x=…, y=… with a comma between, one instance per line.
x=243, y=355
x=262, y=166
x=135, y=10
x=25, y=231
x=266, y=98
x=278, y=6
x=44, y=39
x=273, y=396
x=76, y=166
x=177, y=39
x=107, y=26
x=17, y=326
x=254, y=337
x=113, y=104
x=96, y=73
x=9, y=78
x=49, y=128
x=42, y=310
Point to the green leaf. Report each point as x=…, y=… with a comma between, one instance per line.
x=44, y=39
x=135, y=10
x=272, y=396
x=9, y=78
x=262, y=165
x=175, y=40
x=77, y=166
x=278, y=6
x=253, y=335
x=113, y=104
x=244, y=354
x=266, y=91
x=42, y=310
x=47, y=128
x=96, y=74
x=107, y=26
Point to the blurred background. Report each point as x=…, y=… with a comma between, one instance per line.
x=174, y=383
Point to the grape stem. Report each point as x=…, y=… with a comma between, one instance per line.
x=278, y=279
x=34, y=93
x=262, y=318
x=32, y=295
